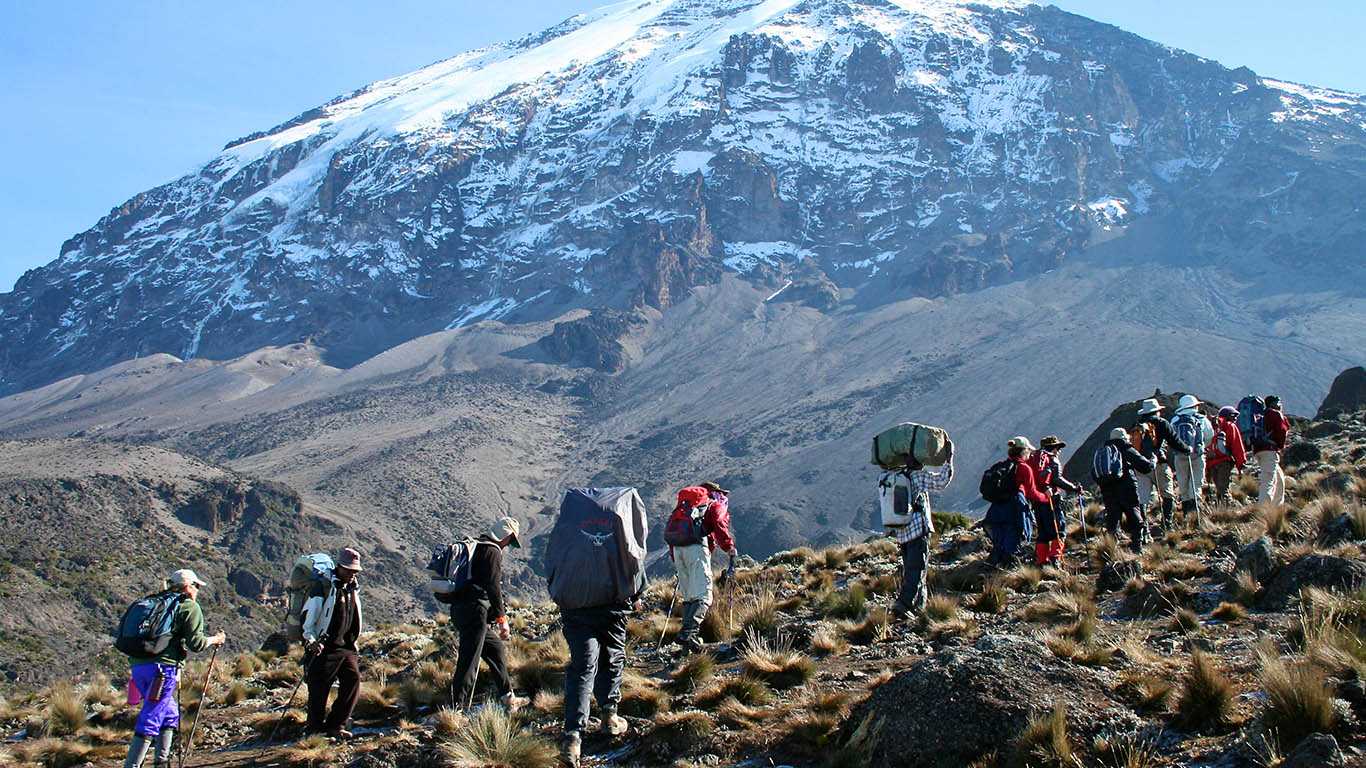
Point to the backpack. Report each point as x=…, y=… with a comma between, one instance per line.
x=998, y=482
x=1190, y=429
x=310, y=573
x=451, y=566
x=1143, y=437
x=1252, y=422
x=687, y=524
x=1219, y=446
x=1107, y=465
x=897, y=502
x=595, y=556
x=146, y=627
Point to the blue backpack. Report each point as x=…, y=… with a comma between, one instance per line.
x=1190, y=429
x=1252, y=422
x=147, y=625
x=1107, y=465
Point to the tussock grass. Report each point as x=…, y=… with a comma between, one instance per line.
x=1275, y=520
x=1104, y=550
x=447, y=722
x=52, y=752
x=647, y=631
x=776, y=664
x=1185, y=621
x=681, y=733
x=642, y=697
x=992, y=599
x=280, y=675
x=1088, y=654
x=874, y=628
x=1229, y=612
x=858, y=750
x=743, y=717
x=798, y=556
x=759, y=615
x=1026, y=578
x=540, y=666
x=308, y=752
x=377, y=700
x=1044, y=740
x=64, y=714
x=1152, y=692
x=1332, y=630
x=1206, y=696
x=850, y=603
x=1183, y=567
x=744, y=689
x=290, y=722
x=1298, y=701
x=941, y=608
x=246, y=665
x=237, y=693
x=1058, y=607
x=552, y=704
x=828, y=641
x=882, y=584
x=100, y=692
x=1128, y=751
x=808, y=733
x=1244, y=589
x=693, y=673
x=492, y=737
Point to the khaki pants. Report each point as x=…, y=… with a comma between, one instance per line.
x=1223, y=478
x=1190, y=476
x=1272, y=479
x=1155, y=485
x=693, y=566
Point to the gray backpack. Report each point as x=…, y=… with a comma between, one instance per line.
x=596, y=553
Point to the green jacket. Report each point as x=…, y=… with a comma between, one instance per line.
x=187, y=634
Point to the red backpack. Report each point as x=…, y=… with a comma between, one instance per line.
x=687, y=524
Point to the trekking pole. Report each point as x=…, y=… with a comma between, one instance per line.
x=668, y=617
x=187, y=746
x=289, y=703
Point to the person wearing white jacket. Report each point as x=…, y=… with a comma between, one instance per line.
x=1194, y=429
x=332, y=622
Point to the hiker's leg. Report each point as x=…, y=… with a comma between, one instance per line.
x=348, y=691
x=1223, y=477
x=164, y=741
x=1278, y=489
x=1146, y=487
x=470, y=620
x=583, y=663
x=612, y=664
x=159, y=708
x=143, y=676
x=319, y=678
x=137, y=751
x=495, y=655
x=916, y=561
x=1266, y=475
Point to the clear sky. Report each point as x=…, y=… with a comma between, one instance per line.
x=104, y=100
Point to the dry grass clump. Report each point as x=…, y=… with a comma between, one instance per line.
x=759, y=615
x=744, y=689
x=1128, y=751
x=377, y=700
x=1044, y=740
x=237, y=693
x=1185, y=621
x=850, y=603
x=64, y=714
x=642, y=697
x=1182, y=567
x=1104, y=550
x=1244, y=589
x=941, y=608
x=447, y=722
x=51, y=752
x=283, y=674
x=992, y=599
x=776, y=664
x=1153, y=692
x=1275, y=520
x=648, y=630
x=691, y=674
x=1229, y=612
x=539, y=666
x=493, y=737
x=798, y=556
x=290, y=722
x=1298, y=701
x=828, y=641
x=1026, y=578
x=308, y=752
x=246, y=665
x=1332, y=630
x=743, y=717
x=681, y=733
x=876, y=627
x=1058, y=607
x=857, y=751
x=1206, y=697
x=882, y=584
x=1086, y=653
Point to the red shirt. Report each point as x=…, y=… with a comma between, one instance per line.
x=1024, y=477
x=717, y=520
x=1277, y=428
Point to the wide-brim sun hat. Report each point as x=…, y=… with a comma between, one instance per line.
x=1229, y=411
x=714, y=488
x=1051, y=441
x=504, y=527
x=1187, y=402
x=349, y=560
x=1149, y=406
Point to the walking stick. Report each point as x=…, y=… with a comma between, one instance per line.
x=289, y=703
x=668, y=617
x=187, y=746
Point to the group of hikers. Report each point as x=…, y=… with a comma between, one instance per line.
x=596, y=561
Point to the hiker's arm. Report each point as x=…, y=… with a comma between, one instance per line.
x=192, y=628
x=936, y=480
x=721, y=534
x=1137, y=460
x=312, y=611
x=495, y=585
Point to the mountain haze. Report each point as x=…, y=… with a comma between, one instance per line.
x=670, y=240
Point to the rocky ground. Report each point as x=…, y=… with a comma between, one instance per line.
x=1235, y=640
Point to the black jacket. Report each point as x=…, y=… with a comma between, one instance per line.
x=1167, y=441
x=1125, y=490
x=486, y=576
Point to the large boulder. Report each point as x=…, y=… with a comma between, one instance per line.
x=952, y=708
x=1258, y=558
x=1079, y=466
x=1317, y=751
x=1324, y=571
x=1346, y=395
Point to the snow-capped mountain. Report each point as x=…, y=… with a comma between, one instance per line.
x=847, y=152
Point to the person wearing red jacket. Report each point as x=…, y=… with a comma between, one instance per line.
x=1226, y=453
x=1009, y=523
x=1268, y=455
x=692, y=558
x=1049, y=528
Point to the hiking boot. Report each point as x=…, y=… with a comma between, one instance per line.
x=614, y=724
x=693, y=645
x=513, y=702
x=571, y=748
x=341, y=734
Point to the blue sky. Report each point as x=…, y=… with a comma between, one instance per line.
x=105, y=100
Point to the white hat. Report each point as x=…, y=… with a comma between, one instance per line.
x=1020, y=441
x=1118, y=433
x=1149, y=406
x=184, y=577
x=505, y=527
x=1187, y=403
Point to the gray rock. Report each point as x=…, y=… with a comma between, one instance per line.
x=1259, y=559
x=1301, y=453
x=970, y=700
x=1323, y=571
x=1317, y=751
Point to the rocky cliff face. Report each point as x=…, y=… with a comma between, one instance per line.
x=871, y=150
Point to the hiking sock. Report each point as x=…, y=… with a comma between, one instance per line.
x=137, y=751
x=164, y=741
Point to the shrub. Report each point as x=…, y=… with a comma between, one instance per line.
x=1206, y=699
x=992, y=599
x=1045, y=741
x=493, y=737
x=1298, y=701
x=950, y=521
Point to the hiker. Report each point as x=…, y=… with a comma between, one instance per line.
x=1050, y=525
x=1268, y=453
x=1152, y=436
x=1194, y=429
x=698, y=526
x=1116, y=468
x=595, y=572
x=1225, y=453
x=332, y=623
x=1008, y=518
x=914, y=537
x=478, y=609
x=155, y=678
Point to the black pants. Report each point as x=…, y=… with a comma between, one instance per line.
x=1122, y=505
x=332, y=665
x=915, y=561
x=471, y=620
x=597, y=658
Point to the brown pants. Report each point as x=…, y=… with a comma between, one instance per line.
x=1223, y=478
x=339, y=665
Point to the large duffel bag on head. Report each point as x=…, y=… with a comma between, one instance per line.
x=928, y=445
